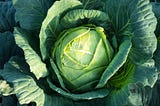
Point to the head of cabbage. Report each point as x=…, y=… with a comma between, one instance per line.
x=82, y=54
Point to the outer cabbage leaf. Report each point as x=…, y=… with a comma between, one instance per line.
x=7, y=13
x=25, y=87
x=134, y=18
x=8, y=47
x=119, y=16
x=143, y=26
x=118, y=97
x=139, y=95
x=146, y=73
x=30, y=13
x=144, y=41
x=26, y=41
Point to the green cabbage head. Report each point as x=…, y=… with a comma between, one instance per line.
x=82, y=54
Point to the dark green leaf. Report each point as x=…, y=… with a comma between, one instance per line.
x=118, y=97
x=9, y=100
x=30, y=13
x=8, y=47
x=139, y=95
x=118, y=14
x=134, y=18
x=146, y=73
x=7, y=19
x=135, y=94
x=143, y=23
